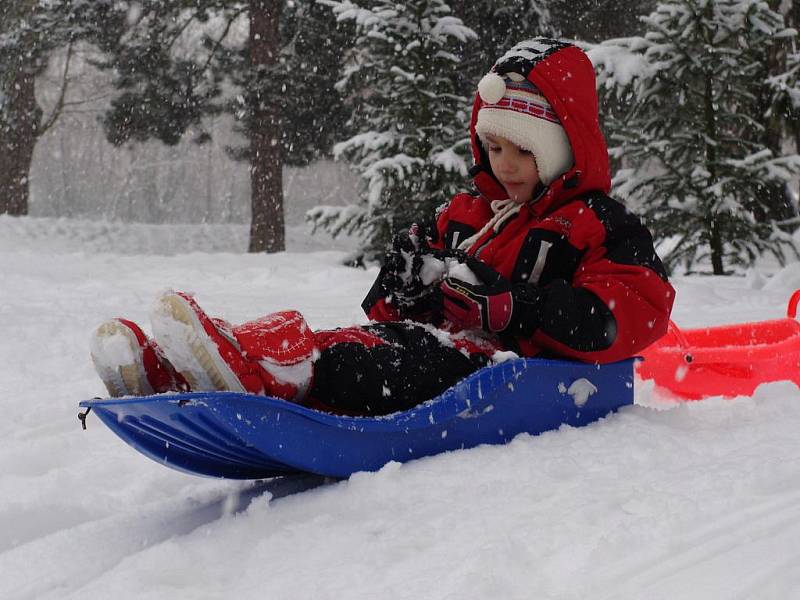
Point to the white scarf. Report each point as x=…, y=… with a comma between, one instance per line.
x=503, y=210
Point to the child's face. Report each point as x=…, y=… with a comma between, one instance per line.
x=513, y=166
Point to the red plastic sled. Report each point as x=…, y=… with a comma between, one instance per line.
x=731, y=360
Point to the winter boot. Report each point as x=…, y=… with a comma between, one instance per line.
x=129, y=363
x=271, y=356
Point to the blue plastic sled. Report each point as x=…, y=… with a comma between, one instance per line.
x=242, y=436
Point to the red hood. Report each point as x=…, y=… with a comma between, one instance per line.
x=564, y=74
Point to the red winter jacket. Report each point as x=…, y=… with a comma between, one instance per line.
x=605, y=292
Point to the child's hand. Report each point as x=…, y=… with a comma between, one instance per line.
x=488, y=305
x=402, y=267
x=412, y=269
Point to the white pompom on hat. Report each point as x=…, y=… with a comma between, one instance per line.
x=513, y=108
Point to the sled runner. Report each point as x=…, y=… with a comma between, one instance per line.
x=730, y=360
x=243, y=436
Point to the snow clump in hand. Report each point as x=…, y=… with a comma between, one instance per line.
x=414, y=269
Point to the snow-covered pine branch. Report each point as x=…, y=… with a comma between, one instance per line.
x=410, y=117
x=701, y=105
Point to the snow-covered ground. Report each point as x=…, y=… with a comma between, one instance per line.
x=661, y=500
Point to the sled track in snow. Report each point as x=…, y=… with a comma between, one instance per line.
x=60, y=563
x=761, y=524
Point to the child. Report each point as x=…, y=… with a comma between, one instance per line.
x=538, y=261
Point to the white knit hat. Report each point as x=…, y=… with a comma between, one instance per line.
x=515, y=109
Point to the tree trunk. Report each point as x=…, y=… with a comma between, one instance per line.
x=777, y=196
x=267, y=231
x=18, y=133
x=715, y=240
x=717, y=250
x=793, y=20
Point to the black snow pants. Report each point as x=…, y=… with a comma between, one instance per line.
x=388, y=367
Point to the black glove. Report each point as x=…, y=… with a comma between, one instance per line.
x=402, y=267
x=412, y=269
x=495, y=305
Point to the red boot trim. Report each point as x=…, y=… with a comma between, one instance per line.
x=160, y=374
x=355, y=334
x=281, y=338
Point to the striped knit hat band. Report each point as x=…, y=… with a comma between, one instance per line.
x=524, y=97
x=513, y=108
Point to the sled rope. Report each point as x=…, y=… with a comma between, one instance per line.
x=82, y=417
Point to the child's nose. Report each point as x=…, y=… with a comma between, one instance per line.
x=508, y=165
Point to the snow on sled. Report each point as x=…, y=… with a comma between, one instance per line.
x=243, y=436
x=727, y=360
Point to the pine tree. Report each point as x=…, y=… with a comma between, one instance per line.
x=499, y=25
x=778, y=102
x=30, y=33
x=21, y=59
x=597, y=20
x=168, y=67
x=410, y=116
x=693, y=129
x=180, y=62
x=314, y=115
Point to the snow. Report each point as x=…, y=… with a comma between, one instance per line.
x=618, y=65
x=580, y=390
x=450, y=161
x=662, y=500
x=461, y=271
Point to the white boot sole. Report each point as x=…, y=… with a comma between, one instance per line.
x=189, y=348
x=117, y=358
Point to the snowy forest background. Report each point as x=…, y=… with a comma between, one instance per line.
x=187, y=111
x=138, y=138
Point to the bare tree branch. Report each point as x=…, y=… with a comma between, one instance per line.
x=59, y=107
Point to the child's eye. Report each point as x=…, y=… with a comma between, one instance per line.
x=494, y=148
x=525, y=152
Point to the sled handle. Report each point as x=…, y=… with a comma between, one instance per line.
x=682, y=341
x=791, y=309
x=676, y=331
